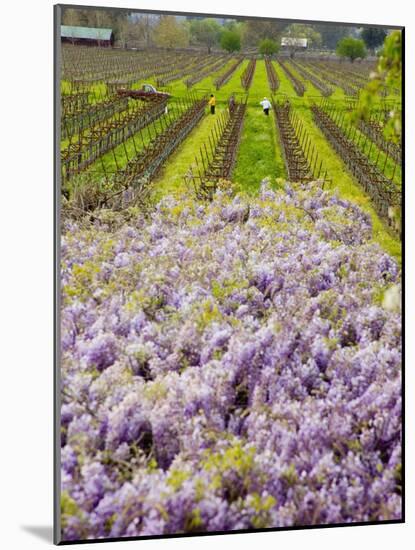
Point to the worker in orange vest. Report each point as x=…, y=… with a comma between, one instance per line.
x=212, y=103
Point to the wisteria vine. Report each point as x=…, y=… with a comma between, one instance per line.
x=229, y=365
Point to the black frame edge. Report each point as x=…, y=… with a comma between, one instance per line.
x=56, y=277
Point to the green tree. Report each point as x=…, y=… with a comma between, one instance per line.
x=388, y=73
x=353, y=48
x=230, y=41
x=268, y=46
x=206, y=32
x=171, y=33
x=373, y=37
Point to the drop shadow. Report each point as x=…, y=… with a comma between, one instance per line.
x=43, y=532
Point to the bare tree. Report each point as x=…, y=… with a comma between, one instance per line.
x=74, y=18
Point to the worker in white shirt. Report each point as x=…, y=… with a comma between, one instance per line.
x=266, y=105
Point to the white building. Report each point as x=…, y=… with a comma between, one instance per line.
x=292, y=42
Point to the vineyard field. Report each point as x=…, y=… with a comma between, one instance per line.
x=230, y=291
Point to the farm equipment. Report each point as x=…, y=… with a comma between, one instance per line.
x=146, y=93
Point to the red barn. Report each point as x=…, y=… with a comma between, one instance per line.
x=87, y=36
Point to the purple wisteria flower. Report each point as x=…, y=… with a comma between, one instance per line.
x=229, y=365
